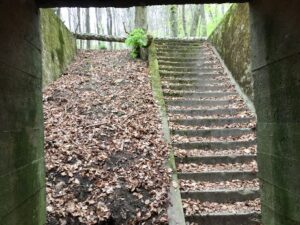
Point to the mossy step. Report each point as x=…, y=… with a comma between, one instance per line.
x=226, y=132
x=195, y=87
x=218, y=176
x=212, y=121
x=222, y=196
x=201, y=55
x=203, y=63
x=197, y=102
x=191, y=69
x=217, y=159
x=177, y=43
x=191, y=94
x=192, y=81
x=215, y=145
x=191, y=75
x=182, y=50
x=183, y=59
x=237, y=218
x=206, y=112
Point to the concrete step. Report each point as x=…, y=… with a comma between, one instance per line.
x=199, y=59
x=217, y=159
x=187, y=64
x=191, y=75
x=218, y=176
x=171, y=44
x=238, y=218
x=199, y=55
x=190, y=69
x=195, y=87
x=213, y=132
x=197, y=102
x=193, y=81
x=222, y=196
x=211, y=121
x=214, y=145
x=206, y=112
x=191, y=94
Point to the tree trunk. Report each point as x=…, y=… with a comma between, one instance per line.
x=70, y=18
x=173, y=20
x=184, y=21
x=109, y=23
x=78, y=28
x=58, y=12
x=140, y=19
x=98, y=23
x=195, y=20
x=87, y=26
x=203, y=21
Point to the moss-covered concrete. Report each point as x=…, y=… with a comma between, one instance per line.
x=22, y=173
x=58, y=46
x=175, y=210
x=275, y=58
x=231, y=38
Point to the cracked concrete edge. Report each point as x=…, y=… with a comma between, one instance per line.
x=175, y=209
x=247, y=100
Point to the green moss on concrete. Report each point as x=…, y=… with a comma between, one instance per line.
x=59, y=46
x=232, y=40
x=175, y=210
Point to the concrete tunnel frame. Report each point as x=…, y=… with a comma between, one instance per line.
x=275, y=45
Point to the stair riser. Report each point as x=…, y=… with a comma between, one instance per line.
x=212, y=133
x=196, y=103
x=199, y=94
x=218, y=176
x=189, y=75
x=187, y=64
x=210, y=122
x=234, y=219
x=216, y=160
x=205, y=112
x=191, y=70
x=193, y=82
x=222, y=197
x=214, y=145
x=194, y=88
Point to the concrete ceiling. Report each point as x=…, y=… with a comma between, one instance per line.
x=123, y=4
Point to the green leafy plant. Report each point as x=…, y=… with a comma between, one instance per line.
x=136, y=39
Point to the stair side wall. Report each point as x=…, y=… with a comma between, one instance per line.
x=58, y=46
x=22, y=176
x=231, y=38
x=275, y=48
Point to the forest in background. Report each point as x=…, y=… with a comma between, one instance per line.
x=160, y=21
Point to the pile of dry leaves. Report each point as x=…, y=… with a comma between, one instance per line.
x=105, y=155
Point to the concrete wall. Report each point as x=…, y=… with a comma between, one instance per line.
x=59, y=46
x=22, y=185
x=275, y=46
x=232, y=40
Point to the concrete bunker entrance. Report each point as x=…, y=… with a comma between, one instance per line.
x=275, y=67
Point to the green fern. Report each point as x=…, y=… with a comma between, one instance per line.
x=136, y=39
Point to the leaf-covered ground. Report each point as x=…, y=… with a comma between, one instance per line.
x=105, y=156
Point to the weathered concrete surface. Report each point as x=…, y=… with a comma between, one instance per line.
x=58, y=46
x=232, y=40
x=124, y=4
x=22, y=195
x=276, y=71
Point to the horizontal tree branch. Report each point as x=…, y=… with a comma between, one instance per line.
x=110, y=38
x=96, y=37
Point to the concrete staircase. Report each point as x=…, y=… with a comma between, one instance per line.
x=213, y=136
